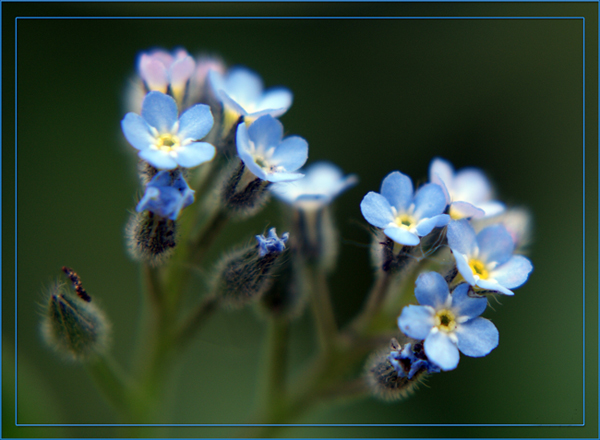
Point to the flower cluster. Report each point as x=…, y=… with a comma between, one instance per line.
x=458, y=210
x=210, y=150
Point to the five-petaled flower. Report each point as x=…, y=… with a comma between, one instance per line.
x=266, y=154
x=403, y=215
x=165, y=141
x=448, y=322
x=241, y=92
x=272, y=243
x=486, y=260
x=166, y=195
x=468, y=191
x=323, y=181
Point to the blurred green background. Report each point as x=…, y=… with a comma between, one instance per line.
x=373, y=96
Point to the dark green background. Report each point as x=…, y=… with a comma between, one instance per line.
x=373, y=96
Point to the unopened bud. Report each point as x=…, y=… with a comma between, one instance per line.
x=151, y=238
x=394, y=373
x=243, y=193
x=72, y=325
x=246, y=274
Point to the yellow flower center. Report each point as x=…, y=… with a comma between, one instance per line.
x=455, y=214
x=479, y=269
x=405, y=221
x=167, y=142
x=445, y=320
x=261, y=162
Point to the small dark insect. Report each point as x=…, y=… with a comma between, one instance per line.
x=79, y=290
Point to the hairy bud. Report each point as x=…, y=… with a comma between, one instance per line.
x=72, y=324
x=246, y=274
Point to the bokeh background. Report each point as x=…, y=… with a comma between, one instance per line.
x=373, y=96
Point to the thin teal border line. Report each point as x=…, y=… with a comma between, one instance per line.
x=304, y=18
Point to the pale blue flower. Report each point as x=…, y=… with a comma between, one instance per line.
x=241, y=92
x=468, y=191
x=266, y=154
x=272, y=243
x=323, y=181
x=163, y=140
x=486, y=260
x=403, y=215
x=448, y=322
x=166, y=195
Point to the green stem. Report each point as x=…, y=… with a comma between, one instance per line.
x=111, y=382
x=374, y=301
x=275, y=387
x=322, y=308
x=190, y=326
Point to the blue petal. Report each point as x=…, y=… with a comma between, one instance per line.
x=460, y=210
x=194, y=154
x=416, y=321
x=431, y=289
x=243, y=86
x=425, y=226
x=491, y=208
x=137, y=131
x=231, y=104
x=397, y=188
x=442, y=173
x=162, y=178
x=195, y=123
x=291, y=154
x=495, y=286
x=402, y=236
x=495, y=244
x=277, y=101
x=464, y=305
x=266, y=132
x=158, y=159
x=441, y=351
x=376, y=210
x=514, y=272
x=283, y=177
x=462, y=264
x=461, y=237
x=242, y=141
x=429, y=201
x=477, y=337
x=159, y=111
x=471, y=185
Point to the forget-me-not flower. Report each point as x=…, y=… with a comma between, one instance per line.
x=266, y=154
x=468, y=191
x=448, y=322
x=272, y=243
x=160, y=69
x=486, y=260
x=165, y=141
x=166, y=196
x=241, y=92
x=403, y=215
x=323, y=181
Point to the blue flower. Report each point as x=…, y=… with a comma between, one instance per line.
x=272, y=243
x=486, y=260
x=468, y=191
x=166, y=196
x=410, y=360
x=241, y=92
x=165, y=141
x=448, y=322
x=404, y=216
x=322, y=183
x=266, y=154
